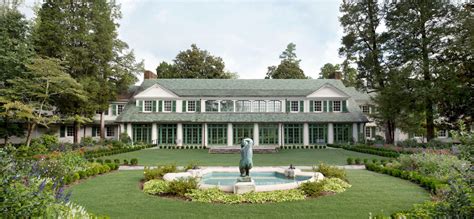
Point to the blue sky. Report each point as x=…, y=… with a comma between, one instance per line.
x=248, y=35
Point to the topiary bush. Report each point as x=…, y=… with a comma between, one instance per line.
x=350, y=161
x=134, y=161
x=182, y=186
x=158, y=172
x=357, y=161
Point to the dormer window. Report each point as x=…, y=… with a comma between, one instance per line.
x=294, y=106
x=167, y=106
x=119, y=109
x=365, y=109
x=336, y=106
x=318, y=106
x=148, y=106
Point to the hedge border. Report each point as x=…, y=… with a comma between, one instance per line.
x=371, y=150
x=113, y=151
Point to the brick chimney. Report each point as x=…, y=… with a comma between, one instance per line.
x=149, y=75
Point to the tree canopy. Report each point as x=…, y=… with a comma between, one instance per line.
x=289, y=67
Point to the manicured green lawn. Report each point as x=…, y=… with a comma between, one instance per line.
x=118, y=196
x=282, y=158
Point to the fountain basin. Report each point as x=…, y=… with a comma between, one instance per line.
x=265, y=178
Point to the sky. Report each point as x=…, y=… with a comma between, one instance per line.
x=248, y=35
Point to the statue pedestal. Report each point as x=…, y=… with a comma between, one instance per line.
x=244, y=187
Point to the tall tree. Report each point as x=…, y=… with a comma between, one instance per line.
x=289, y=67
x=417, y=32
x=194, y=63
x=329, y=70
x=363, y=45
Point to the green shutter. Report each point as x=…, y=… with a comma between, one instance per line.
x=373, y=132
x=325, y=106
x=153, y=103
x=114, y=109
x=311, y=105
x=198, y=106
x=62, y=131
x=140, y=105
x=301, y=106
x=184, y=106
x=344, y=106
x=160, y=106
x=173, y=106
x=287, y=106
x=94, y=132
x=330, y=106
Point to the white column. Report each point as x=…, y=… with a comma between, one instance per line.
x=230, y=135
x=129, y=130
x=122, y=128
x=306, y=106
x=256, y=136
x=280, y=135
x=179, y=106
x=355, y=135
x=362, y=130
x=330, y=133
x=179, y=134
x=204, y=135
x=305, y=134
x=203, y=108
x=154, y=133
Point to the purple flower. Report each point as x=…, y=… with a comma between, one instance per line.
x=59, y=193
x=68, y=196
x=42, y=185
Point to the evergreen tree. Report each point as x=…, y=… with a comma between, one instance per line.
x=289, y=67
x=417, y=32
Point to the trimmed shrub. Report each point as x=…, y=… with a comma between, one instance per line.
x=107, y=161
x=350, y=161
x=125, y=162
x=366, y=160
x=335, y=185
x=330, y=171
x=358, y=161
x=214, y=195
x=182, y=186
x=158, y=172
x=312, y=189
x=117, y=161
x=156, y=187
x=134, y=161
x=99, y=161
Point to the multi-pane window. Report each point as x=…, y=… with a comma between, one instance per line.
x=142, y=133
x=241, y=131
x=242, y=106
x=191, y=106
x=119, y=109
x=365, y=109
x=167, y=105
x=317, y=133
x=294, y=106
x=442, y=133
x=217, y=134
x=342, y=133
x=106, y=112
x=259, y=106
x=110, y=131
x=69, y=131
x=274, y=106
x=368, y=132
x=268, y=134
x=167, y=133
x=227, y=106
x=293, y=133
x=336, y=106
x=96, y=131
x=192, y=134
x=318, y=106
x=212, y=105
x=148, y=106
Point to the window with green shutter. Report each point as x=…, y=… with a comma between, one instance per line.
x=198, y=106
x=173, y=106
x=325, y=108
x=287, y=106
x=311, y=106
x=160, y=106
x=330, y=105
x=62, y=131
x=140, y=105
x=301, y=106
x=183, y=107
x=344, y=106
x=114, y=109
x=154, y=106
x=94, y=131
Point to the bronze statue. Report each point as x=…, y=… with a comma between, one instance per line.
x=246, y=157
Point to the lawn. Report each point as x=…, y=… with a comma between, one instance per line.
x=282, y=158
x=118, y=195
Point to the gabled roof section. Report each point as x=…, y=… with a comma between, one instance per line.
x=329, y=90
x=156, y=91
x=242, y=87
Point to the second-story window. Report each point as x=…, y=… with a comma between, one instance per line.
x=274, y=106
x=365, y=109
x=294, y=106
x=119, y=109
x=336, y=106
x=212, y=105
x=259, y=106
x=148, y=106
x=318, y=106
x=191, y=106
x=242, y=106
x=227, y=106
x=167, y=106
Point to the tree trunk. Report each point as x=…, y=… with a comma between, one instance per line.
x=102, y=126
x=390, y=132
x=77, y=128
x=427, y=82
x=31, y=128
